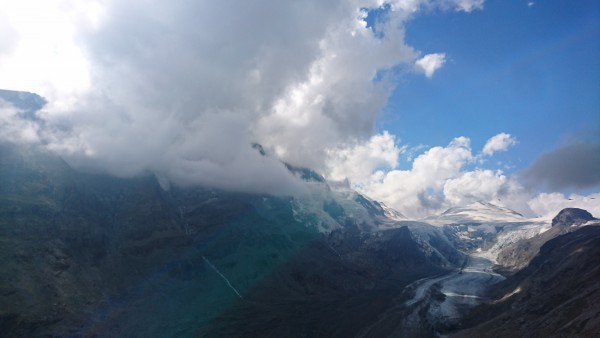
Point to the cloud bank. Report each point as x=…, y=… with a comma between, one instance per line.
x=182, y=89
x=446, y=176
x=442, y=177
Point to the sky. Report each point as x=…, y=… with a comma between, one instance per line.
x=420, y=104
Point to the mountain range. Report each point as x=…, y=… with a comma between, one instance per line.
x=556, y=294
x=89, y=255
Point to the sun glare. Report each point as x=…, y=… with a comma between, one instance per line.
x=44, y=57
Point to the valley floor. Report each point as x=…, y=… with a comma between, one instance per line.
x=433, y=306
x=439, y=301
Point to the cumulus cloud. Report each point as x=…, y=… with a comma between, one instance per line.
x=182, y=89
x=339, y=99
x=489, y=186
x=443, y=177
x=177, y=90
x=359, y=161
x=499, y=142
x=472, y=186
x=439, y=179
x=573, y=165
x=548, y=205
x=418, y=191
x=430, y=63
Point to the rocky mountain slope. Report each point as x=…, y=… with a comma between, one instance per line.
x=518, y=254
x=486, y=229
x=556, y=295
x=90, y=255
x=478, y=212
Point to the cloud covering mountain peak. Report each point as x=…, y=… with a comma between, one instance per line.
x=183, y=89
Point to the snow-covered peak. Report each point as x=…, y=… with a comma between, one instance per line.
x=478, y=212
x=391, y=213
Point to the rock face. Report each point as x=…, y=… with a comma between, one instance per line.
x=519, y=254
x=485, y=228
x=27, y=103
x=90, y=255
x=556, y=295
x=572, y=217
x=318, y=293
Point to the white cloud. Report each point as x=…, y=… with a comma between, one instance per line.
x=41, y=54
x=548, y=205
x=469, y=5
x=419, y=191
x=439, y=180
x=358, y=162
x=430, y=63
x=488, y=186
x=15, y=128
x=184, y=92
x=500, y=142
x=183, y=88
x=472, y=186
x=411, y=6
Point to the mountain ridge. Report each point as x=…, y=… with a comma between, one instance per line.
x=84, y=247
x=479, y=211
x=86, y=254
x=518, y=254
x=92, y=254
x=556, y=295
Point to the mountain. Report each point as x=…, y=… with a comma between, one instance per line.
x=478, y=212
x=28, y=103
x=518, y=254
x=485, y=228
x=556, y=295
x=86, y=254
x=572, y=217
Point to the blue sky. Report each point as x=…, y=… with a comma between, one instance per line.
x=532, y=71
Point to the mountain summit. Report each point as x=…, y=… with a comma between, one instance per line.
x=572, y=216
x=478, y=212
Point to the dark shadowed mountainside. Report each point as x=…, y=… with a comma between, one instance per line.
x=91, y=255
x=556, y=295
x=517, y=255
